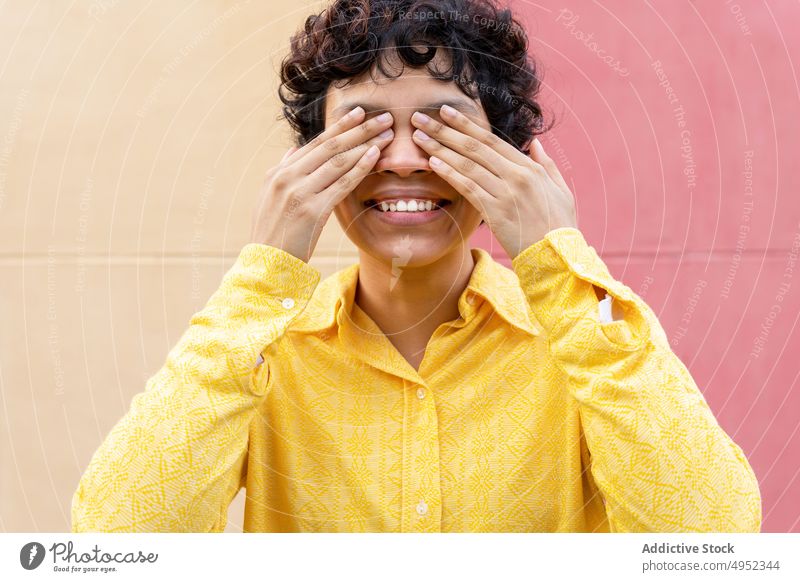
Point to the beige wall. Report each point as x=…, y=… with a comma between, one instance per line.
x=133, y=140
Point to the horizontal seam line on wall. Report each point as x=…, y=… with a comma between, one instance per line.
x=97, y=258
x=235, y=253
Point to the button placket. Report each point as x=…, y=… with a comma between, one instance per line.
x=426, y=461
x=424, y=479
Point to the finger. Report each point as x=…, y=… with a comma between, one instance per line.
x=467, y=145
x=343, y=142
x=457, y=120
x=465, y=166
x=340, y=188
x=339, y=164
x=465, y=186
x=538, y=155
x=351, y=119
x=288, y=153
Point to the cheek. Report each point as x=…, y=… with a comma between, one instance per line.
x=470, y=213
x=347, y=210
x=341, y=213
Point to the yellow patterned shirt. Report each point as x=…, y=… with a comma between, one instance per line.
x=527, y=414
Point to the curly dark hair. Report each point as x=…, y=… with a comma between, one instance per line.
x=487, y=46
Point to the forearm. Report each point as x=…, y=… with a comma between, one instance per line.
x=177, y=458
x=658, y=455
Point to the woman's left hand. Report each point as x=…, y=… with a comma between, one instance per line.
x=521, y=198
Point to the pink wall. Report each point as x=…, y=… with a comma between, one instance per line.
x=706, y=245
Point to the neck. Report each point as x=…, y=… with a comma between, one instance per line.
x=413, y=301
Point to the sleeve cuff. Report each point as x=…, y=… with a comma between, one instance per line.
x=266, y=273
x=557, y=275
x=260, y=295
x=281, y=272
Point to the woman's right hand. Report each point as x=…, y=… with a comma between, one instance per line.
x=299, y=194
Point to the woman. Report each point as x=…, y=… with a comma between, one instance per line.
x=427, y=388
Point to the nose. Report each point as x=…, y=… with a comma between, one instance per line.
x=402, y=157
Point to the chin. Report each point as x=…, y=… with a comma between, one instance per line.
x=408, y=249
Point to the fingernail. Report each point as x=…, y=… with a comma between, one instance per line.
x=384, y=117
x=421, y=117
x=372, y=151
x=447, y=110
x=421, y=135
x=435, y=161
x=386, y=133
x=356, y=111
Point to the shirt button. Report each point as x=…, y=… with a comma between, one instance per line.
x=420, y=393
x=288, y=303
x=422, y=507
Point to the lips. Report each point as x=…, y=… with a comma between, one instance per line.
x=407, y=218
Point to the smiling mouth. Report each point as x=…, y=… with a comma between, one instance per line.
x=406, y=206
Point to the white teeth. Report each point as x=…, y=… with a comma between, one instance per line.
x=406, y=206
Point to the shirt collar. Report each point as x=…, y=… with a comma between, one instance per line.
x=489, y=280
